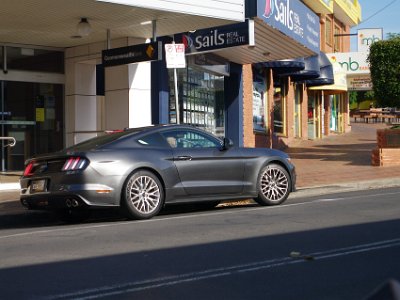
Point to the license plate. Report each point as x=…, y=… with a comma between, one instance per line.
x=38, y=186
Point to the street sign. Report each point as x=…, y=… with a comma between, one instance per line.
x=175, y=56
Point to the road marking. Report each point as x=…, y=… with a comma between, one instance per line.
x=136, y=286
x=190, y=216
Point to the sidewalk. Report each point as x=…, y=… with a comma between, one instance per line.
x=337, y=162
x=341, y=162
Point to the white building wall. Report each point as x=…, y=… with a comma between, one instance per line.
x=140, y=95
x=127, y=100
x=221, y=9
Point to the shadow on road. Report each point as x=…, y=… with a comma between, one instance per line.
x=14, y=216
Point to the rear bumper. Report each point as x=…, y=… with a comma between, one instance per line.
x=59, y=196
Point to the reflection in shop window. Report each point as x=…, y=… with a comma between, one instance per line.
x=30, y=59
x=201, y=99
x=279, y=108
x=259, y=101
x=1, y=58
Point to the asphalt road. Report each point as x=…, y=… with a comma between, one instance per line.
x=338, y=246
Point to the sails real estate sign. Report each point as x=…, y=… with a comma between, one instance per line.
x=292, y=18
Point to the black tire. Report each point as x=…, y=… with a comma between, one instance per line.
x=143, y=196
x=273, y=185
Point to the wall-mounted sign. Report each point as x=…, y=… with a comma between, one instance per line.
x=132, y=54
x=39, y=115
x=366, y=37
x=351, y=62
x=217, y=38
x=359, y=83
x=292, y=18
x=175, y=56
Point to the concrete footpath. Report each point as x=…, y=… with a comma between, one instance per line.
x=339, y=162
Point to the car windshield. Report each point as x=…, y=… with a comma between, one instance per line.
x=101, y=140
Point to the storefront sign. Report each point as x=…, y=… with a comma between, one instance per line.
x=292, y=18
x=366, y=37
x=175, y=56
x=132, y=54
x=351, y=62
x=363, y=83
x=217, y=38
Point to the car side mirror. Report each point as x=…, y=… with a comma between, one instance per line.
x=226, y=144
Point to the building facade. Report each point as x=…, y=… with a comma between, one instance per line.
x=304, y=98
x=262, y=82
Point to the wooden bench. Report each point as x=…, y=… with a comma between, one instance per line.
x=357, y=117
x=370, y=117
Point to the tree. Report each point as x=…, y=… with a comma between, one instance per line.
x=391, y=35
x=384, y=60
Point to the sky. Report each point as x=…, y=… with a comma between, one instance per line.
x=378, y=14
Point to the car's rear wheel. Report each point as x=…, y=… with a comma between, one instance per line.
x=273, y=185
x=143, y=195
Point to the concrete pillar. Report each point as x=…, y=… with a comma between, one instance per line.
x=127, y=96
x=81, y=107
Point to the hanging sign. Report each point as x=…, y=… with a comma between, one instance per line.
x=218, y=38
x=132, y=54
x=175, y=56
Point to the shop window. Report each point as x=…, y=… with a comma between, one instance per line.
x=260, y=118
x=337, y=39
x=328, y=31
x=200, y=99
x=1, y=58
x=39, y=60
x=280, y=107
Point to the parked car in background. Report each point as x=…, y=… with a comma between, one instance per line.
x=142, y=169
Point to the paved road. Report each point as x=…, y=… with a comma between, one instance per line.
x=338, y=246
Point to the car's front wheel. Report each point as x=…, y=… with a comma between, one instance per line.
x=143, y=195
x=273, y=185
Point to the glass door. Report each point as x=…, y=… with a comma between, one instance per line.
x=32, y=113
x=297, y=110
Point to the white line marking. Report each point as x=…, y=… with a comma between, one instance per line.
x=135, y=286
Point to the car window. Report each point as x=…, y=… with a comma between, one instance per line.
x=190, y=139
x=153, y=140
x=102, y=140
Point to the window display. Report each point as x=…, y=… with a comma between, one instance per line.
x=201, y=99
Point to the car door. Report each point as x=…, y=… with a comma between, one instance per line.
x=203, y=168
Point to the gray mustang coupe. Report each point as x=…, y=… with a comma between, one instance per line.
x=142, y=169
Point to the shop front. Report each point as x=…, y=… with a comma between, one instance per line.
x=201, y=90
x=334, y=99
x=207, y=93
x=31, y=103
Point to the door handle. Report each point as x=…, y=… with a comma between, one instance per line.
x=183, y=157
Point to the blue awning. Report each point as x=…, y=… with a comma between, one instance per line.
x=285, y=65
x=326, y=77
x=313, y=70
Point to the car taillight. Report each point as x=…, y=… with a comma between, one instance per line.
x=74, y=163
x=28, y=170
